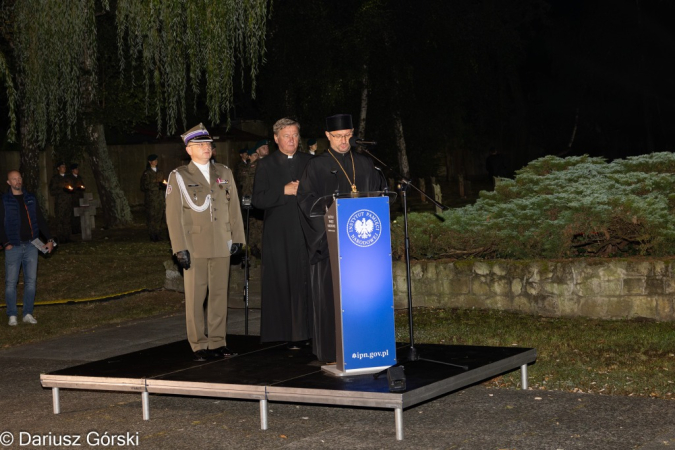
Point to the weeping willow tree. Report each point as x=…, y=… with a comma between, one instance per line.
x=10, y=92
x=180, y=42
x=177, y=42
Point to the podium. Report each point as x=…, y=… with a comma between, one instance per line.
x=359, y=242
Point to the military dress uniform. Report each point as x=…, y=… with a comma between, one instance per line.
x=203, y=217
x=152, y=184
x=63, y=206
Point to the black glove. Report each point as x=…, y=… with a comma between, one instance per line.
x=183, y=258
x=235, y=248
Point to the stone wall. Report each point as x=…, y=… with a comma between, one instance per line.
x=598, y=288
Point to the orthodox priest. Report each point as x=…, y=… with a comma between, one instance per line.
x=337, y=170
x=286, y=310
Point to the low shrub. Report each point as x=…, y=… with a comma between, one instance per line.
x=556, y=208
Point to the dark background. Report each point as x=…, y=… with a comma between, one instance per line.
x=520, y=76
x=526, y=77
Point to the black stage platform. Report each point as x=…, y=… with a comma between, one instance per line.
x=271, y=372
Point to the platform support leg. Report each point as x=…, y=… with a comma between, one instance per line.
x=263, y=414
x=56, y=401
x=145, y=400
x=523, y=376
x=398, y=417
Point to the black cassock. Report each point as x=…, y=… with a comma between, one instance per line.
x=324, y=176
x=286, y=309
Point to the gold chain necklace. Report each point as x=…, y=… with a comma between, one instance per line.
x=345, y=172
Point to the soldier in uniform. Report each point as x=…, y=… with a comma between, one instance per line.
x=60, y=188
x=153, y=185
x=242, y=168
x=312, y=146
x=262, y=148
x=77, y=183
x=255, y=221
x=205, y=227
x=248, y=173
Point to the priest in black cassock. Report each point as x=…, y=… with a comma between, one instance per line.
x=286, y=309
x=337, y=170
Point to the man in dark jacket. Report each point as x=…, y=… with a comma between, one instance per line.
x=60, y=188
x=21, y=222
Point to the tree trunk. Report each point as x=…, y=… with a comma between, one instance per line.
x=30, y=156
x=646, y=111
x=423, y=188
x=364, y=105
x=448, y=162
x=115, y=206
x=519, y=119
x=400, y=144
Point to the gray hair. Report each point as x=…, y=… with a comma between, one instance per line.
x=283, y=123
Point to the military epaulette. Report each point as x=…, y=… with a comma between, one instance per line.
x=220, y=164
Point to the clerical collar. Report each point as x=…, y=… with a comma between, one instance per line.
x=335, y=152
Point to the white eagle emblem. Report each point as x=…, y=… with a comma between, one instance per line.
x=364, y=228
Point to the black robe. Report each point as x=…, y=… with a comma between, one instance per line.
x=323, y=176
x=286, y=310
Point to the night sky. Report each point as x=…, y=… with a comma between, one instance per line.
x=472, y=75
x=527, y=77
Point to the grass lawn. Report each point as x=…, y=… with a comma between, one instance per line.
x=623, y=357
x=581, y=355
x=113, y=262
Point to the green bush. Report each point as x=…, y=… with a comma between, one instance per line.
x=555, y=208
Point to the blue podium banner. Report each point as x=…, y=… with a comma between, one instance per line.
x=366, y=284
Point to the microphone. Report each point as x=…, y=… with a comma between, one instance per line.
x=354, y=141
x=337, y=187
x=385, y=184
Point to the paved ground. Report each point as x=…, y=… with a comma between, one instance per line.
x=475, y=418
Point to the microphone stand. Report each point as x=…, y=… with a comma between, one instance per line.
x=246, y=204
x=413, y=353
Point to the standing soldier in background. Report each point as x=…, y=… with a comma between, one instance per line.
x=255, y=221
x=311, y=146
x=153, y=185
x=62, y=191
x=262, y=148
x=247, y=174
x=242, y=167
x=75, y=181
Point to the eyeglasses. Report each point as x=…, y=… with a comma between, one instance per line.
x=342, y=136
